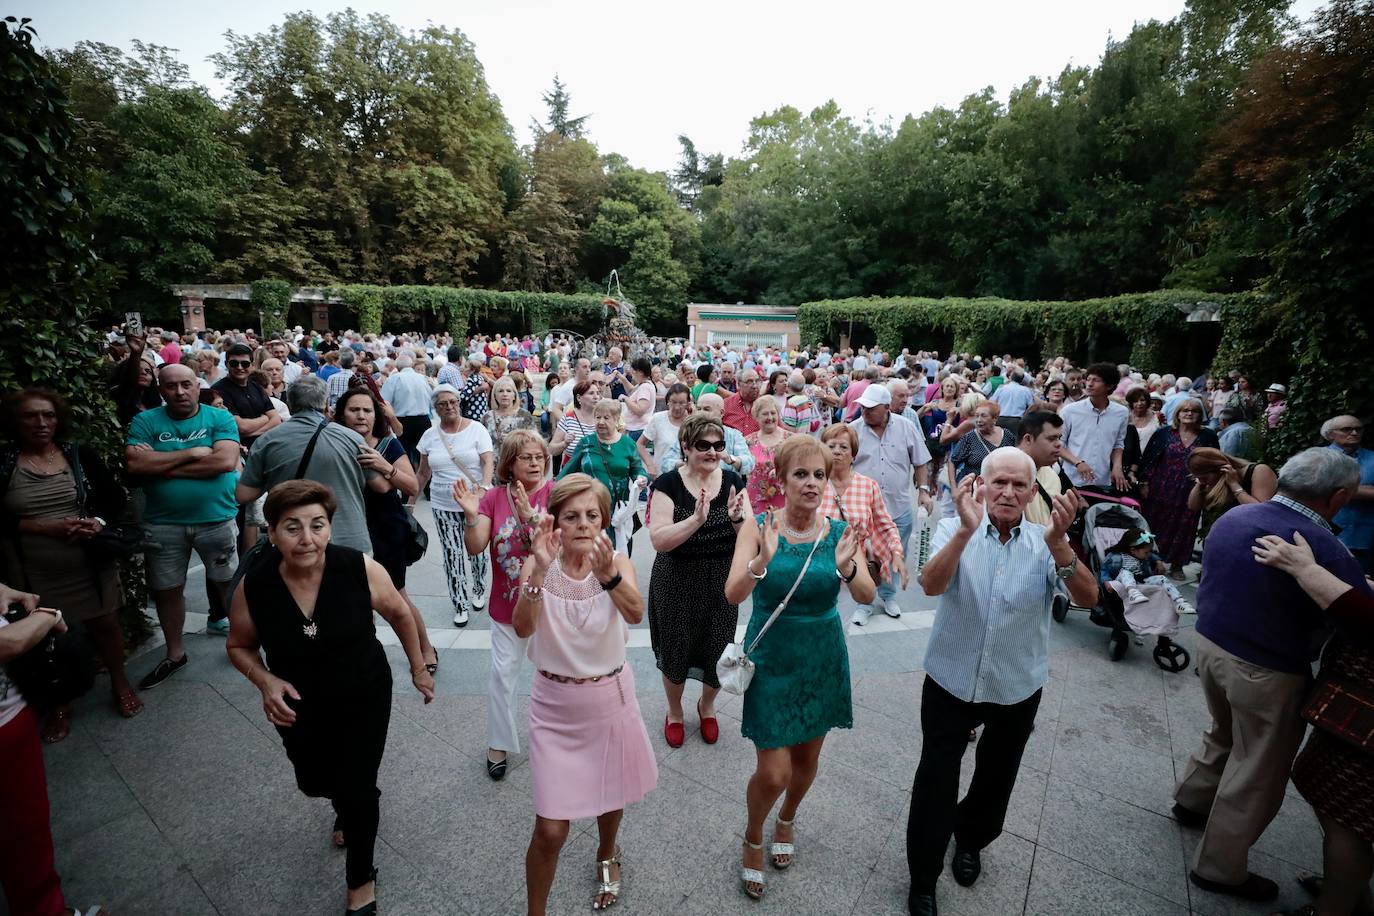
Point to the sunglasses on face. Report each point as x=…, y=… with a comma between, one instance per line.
x=709, y=445
x=239, y=363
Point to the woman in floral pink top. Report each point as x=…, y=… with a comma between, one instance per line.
x=765, y=490
x=506, y=516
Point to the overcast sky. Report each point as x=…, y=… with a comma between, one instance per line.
x=649, y=71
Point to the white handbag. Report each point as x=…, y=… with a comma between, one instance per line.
x=734, y=670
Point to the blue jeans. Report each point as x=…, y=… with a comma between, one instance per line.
x=888, y=589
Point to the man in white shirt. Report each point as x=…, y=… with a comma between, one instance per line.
x=1095, y=432
x=1013, y=399
x=408, y=394
x=562, y=396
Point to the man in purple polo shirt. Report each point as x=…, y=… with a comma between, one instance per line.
x=1256, y=635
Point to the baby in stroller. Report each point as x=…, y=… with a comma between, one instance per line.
x=1133, y=562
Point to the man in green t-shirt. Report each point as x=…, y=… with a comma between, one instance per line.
x=706, y=374
x=187, y=454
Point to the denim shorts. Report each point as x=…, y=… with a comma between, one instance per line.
x=216, y=544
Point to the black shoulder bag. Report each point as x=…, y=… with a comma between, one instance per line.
x=53, y=673
x=417, y=538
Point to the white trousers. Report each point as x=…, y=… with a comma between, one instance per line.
x=507, y=652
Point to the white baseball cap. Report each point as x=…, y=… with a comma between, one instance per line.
x=875, y=395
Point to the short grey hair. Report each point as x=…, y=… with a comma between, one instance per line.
x=1317, y=473
x=405, y=361
x=1008, y=453
x=309, y=392
x=1329, y=426
x=346, y=359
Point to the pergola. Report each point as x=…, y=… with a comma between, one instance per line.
x=193, y=302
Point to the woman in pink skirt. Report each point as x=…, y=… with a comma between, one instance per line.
x=589, y=750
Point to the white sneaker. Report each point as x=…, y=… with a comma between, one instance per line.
x=460, y=618
x=861, y=615
x=892, y=609
x=1136, y=596
x=1184, y=607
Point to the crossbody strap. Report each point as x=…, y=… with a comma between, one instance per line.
x=782, y=605
x=310, y=450
x=452, y=457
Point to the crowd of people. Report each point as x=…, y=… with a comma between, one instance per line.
x=294, y=467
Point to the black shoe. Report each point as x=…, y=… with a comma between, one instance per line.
x=367, y=909
x=165, y=669
x=966, y=866
x=922, y=905
x=496, y=769
x=1188, y=817
x=1254, y=887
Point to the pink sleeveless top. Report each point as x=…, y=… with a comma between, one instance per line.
x=580, y=633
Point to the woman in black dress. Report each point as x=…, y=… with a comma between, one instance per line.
x=327, y=683
x=387, y=524
x=696, y=510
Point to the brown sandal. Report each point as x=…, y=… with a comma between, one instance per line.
x=58, y=726
x=128, y=704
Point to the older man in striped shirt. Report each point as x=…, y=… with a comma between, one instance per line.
x=987, y=661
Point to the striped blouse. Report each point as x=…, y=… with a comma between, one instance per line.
x=862, y=505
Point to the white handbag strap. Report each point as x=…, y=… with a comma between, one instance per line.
x=782, y=605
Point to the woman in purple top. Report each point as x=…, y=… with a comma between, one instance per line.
x=1165, y=484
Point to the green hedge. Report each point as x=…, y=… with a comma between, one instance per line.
x=272, y=299
x=378, y=305
x=1146, y=319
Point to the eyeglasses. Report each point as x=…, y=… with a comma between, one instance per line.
x=1350, y=430
x=532, y=457
x=239, y=363
x=708, y=445
x=446, y=405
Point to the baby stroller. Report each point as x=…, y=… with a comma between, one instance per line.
x=1101, y=526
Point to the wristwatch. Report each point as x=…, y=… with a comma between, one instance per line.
x=1066, y=572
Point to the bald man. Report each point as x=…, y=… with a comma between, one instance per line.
x=986, y=663
x=187, y=455
x=737, y=455
x=738, y=410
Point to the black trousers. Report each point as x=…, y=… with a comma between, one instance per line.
x=336, y=748
x=936, y=812
x=412, y=428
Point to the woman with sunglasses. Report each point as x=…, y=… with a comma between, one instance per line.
x=506, y=517
x=697, y=507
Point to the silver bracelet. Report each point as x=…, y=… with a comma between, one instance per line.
x=749, y=568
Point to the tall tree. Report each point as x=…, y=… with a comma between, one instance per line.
x=394, y=137
x=561, y=121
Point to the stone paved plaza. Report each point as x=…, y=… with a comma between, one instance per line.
x=191, y=808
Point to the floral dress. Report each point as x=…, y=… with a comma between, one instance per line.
x=765, y=489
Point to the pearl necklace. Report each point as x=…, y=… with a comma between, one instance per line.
x=795, y=535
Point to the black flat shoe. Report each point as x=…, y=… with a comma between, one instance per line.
x=1188, y=817
x=1254, y=887
x=922, y=905
x=966, y=866
x=367, y=909
x=496, y=769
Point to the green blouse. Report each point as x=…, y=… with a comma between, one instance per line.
x=615, y=465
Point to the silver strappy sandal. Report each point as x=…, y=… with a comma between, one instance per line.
x=604, y=885
x=777, y=850
x=752, y=879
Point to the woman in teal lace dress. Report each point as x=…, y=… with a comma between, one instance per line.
x=801, y=681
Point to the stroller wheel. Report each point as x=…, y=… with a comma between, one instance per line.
x=1170, y=656
x=1116, y=645
x=1060, y=608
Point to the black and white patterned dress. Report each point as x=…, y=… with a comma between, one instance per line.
x=690, y=622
